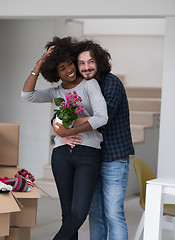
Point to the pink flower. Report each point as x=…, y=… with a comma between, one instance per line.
x=79, y=109
x=68, y=108
x=73, y=103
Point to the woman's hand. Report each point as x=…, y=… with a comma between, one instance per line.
x=47, y=53
x=30, y=83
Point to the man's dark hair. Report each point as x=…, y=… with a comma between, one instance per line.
x=101, y=56
x=62, y=52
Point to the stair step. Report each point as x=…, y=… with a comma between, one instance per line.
x=144, y=104
x=143, y=92
x=137, y=132
x=142, y=118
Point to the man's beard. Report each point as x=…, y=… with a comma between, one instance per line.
x=88, y=76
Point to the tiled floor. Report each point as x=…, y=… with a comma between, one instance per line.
x=49, y=220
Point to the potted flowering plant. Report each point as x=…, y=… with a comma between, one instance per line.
x=68, y=110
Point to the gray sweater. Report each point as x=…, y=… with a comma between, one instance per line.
x=92, y=100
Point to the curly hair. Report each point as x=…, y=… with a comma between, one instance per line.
x=63, y=52
x=101, y=55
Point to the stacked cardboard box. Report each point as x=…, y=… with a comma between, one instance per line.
x=15, y=220
x=8, y=205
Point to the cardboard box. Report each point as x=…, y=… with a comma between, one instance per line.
x=7, y=171
x=9, y=142
x=27, y=216
x=7, y=206
x=19, y=234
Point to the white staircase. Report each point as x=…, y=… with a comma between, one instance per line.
x=144, y=104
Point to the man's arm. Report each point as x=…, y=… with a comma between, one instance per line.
x=74, y=139
x=70, y=140
x=65, y=132
x=112, y=93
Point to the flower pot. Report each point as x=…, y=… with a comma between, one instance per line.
x=57, y=120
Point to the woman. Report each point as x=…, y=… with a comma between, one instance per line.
x=75, y=170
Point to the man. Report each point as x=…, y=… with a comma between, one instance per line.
x=107, y=207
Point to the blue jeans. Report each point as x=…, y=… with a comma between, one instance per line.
x=107, y=206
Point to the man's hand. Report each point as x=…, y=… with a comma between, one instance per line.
x=55, y=127
x=72, y=140
x=60, y=130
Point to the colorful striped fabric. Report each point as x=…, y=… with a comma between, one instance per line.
x=24, y=173
x=19, y=184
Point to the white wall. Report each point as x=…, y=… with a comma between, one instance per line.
x=139, y=58
x=21, y=45
x=166, y=164
x=136, y=47
x=126, y=26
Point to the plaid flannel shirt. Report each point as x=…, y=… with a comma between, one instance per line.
x=117, y=143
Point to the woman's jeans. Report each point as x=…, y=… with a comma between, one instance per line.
x=107, y=207
x=76, y=171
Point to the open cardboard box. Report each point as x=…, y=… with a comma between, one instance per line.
x=8, y=205
x=18, y=234
x=9, y=142
x=27, y=216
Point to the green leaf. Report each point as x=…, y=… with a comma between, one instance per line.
x=58, y=101
x=57, y=111
x=67, y=123
x=61, y=115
